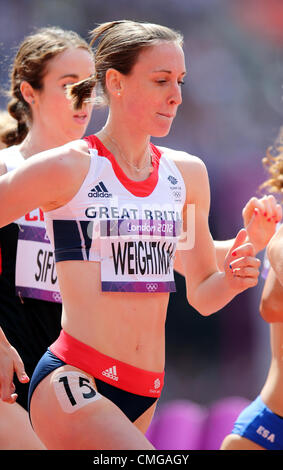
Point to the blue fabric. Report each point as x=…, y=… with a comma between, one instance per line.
x=132, y=405
x=47, y=364
x=260, y=425
x=71, y=238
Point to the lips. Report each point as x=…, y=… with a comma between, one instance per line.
x=80, y=118
x=167, y=115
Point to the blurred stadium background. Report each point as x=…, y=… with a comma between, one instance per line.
x=232, y=110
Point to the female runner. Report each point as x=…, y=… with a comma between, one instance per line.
x=260, y=425
x=30, y=308
x=114, y=207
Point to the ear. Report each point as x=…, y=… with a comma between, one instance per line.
x=114, y=82
x=27, y=92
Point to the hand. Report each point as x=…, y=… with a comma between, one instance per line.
x=260, y=218
x=240, y=265
x=10, y=362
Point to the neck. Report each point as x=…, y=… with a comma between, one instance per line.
x=129, y=148
x=36, y=142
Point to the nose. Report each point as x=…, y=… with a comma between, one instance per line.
x=175, y=95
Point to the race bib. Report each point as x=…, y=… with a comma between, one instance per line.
x=137, y=255
x=36, y=275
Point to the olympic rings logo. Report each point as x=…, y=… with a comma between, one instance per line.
x=152, y=286
x=57, y=297
x=177, y=194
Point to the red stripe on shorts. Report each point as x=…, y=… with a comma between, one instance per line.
x=109, y=370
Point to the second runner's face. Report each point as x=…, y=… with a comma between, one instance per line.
x=153, y=89
x=54, y=110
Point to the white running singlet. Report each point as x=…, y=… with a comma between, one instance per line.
x=131, y=228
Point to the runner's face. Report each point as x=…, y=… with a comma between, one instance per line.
x=53, y=109
x=152, y=91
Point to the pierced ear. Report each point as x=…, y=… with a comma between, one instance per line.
x=114, y=82
x=27, y=92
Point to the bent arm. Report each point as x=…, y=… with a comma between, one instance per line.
x=208, y=288
x=47, y=180
x=260, y=217
x=221, y=249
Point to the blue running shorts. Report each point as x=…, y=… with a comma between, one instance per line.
x=260, y=425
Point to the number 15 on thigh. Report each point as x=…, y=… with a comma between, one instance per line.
x=74, y=390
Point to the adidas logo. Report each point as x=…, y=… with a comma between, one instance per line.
x=111, y=373
x=99, y=190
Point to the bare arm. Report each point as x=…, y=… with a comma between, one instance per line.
x=260, y=217
x=209, y=289
x=10, y=363
x=47, y=180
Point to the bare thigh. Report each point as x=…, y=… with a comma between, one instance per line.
x=67, y=412
x=236, y=442
x=145, y=419
x=16, y=432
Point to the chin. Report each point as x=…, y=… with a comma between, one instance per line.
x=160, y=133
x=163, y=128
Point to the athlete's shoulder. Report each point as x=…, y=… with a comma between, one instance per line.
x=187, y=163
x=180, y=156
x=193, y=171
x=66, y=157
x=47, y=170
x=76, y=149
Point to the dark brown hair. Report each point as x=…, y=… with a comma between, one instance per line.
x=273, y=162
x=120, y=43
x=30, y=64
x=7, y=125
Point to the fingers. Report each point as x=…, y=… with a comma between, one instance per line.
x=239, y=240
x=238, y=251
x=20, y=369
x=245, y=267
x=242, y=251
x=11, y=363
x=267, y=206
x=271, y=209
x=260, y=219
x=9, y=396
x=279, y=212
x=244, y=276
x=243, y=283
x=7, y=389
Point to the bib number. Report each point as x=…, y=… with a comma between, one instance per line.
x=74, y=390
